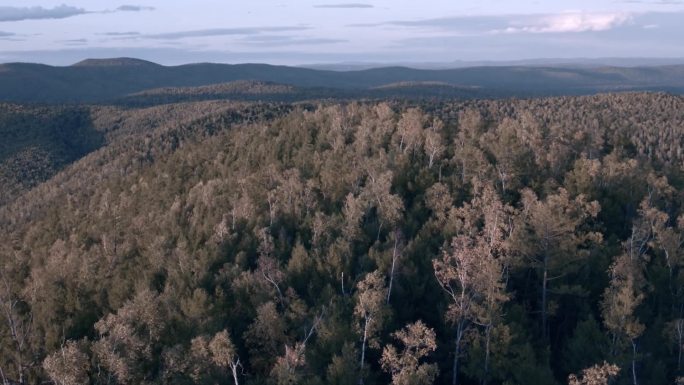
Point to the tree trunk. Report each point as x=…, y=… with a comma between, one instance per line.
x=502, y=178
x=634, y=352
x=234, y=368
x=545, y=281
x=394, y=261
x=680, y=336
x=457, y=353
x=363, y=350
x=488, y=334
x=2, y=376
x=463, y=171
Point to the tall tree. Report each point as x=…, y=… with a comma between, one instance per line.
x=410, y=129
x=396, y=254
x=129, y=338
x=17, y=322
x=223, y=354
x=553, y=237
x=620, y=301
x=458, y=273
x=369, y=312
x=434, y=144
x=266, y=337
x=417, y=341
x=473, y=271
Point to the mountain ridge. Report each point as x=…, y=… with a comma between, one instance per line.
x=105, y=80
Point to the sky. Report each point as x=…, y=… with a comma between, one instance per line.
x=302, y=32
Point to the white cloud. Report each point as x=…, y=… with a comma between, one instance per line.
x=567, y=23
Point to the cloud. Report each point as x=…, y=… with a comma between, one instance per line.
x=659, y=2
x=60, y=12
x=73, y=42
x=222, y=32
x=38, y=13
x=6, y=34
x=280, y=40
x=134, y=8
x=346, y=6
x=118, y=34
x=567, y=22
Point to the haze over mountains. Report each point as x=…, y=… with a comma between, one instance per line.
x=106, y=80
x=554, y=62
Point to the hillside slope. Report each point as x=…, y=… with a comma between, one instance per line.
x=281, y=234
x=39, y=141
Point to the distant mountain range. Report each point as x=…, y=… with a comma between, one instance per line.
x=107, y=80
x=548, y=62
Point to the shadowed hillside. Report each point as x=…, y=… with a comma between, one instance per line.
x=39, y=141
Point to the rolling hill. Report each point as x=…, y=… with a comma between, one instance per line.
x=104, y=80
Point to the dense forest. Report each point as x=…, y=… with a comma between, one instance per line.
x=535, y=241
x=37, y=142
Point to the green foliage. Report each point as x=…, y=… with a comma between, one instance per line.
x=217, y=241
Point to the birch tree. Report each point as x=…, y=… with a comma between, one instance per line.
x=620, y=301
x=404, y=364
x=552, y=237
x=369, y=313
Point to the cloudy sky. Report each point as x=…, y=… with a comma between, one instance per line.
x=319, y=31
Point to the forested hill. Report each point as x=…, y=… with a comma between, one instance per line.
x=497, y=241
x=37, y=142
x=108, y=79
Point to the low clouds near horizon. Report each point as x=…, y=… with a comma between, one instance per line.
x=323, y=30
x=222, y=32
x=345, y=6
